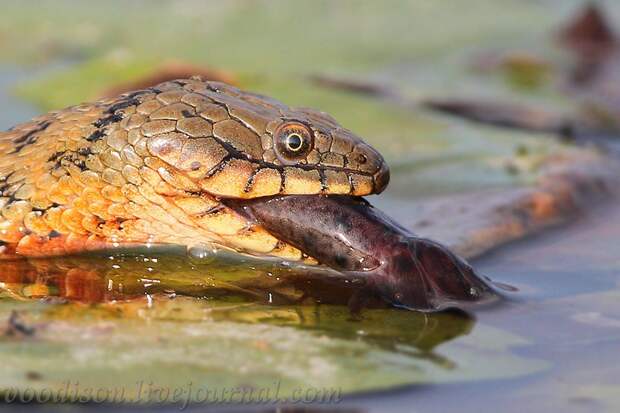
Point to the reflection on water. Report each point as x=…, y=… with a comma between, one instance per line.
x=124, y=275
x=275, y=323
x=243, y=290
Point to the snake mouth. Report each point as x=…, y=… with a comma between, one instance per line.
x=360, y=183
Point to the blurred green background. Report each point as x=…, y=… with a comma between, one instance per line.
x=57, y=53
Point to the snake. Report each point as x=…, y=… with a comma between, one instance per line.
x=157, y=166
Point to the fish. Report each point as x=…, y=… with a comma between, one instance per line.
x=356, y=239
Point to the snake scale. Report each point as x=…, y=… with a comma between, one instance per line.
x=153, y=167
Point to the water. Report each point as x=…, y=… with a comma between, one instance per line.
x=14, y=111
x=567, y=310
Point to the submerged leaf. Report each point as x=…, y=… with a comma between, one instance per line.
x=210, y=344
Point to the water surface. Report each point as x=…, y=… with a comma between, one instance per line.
x=568, y=313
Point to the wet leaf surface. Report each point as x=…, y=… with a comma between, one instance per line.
x=216, y=344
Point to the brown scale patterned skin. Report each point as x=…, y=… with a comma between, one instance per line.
x=152, y=166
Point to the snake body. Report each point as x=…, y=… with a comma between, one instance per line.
x=154, y=166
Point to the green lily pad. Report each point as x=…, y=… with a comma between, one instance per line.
x=162, y=341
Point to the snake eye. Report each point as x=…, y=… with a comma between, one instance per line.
x=293, y=141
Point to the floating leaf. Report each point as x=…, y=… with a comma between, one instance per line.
x=216, y=345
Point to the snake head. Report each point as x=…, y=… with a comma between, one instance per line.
x=236, y=144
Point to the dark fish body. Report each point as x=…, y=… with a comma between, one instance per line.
x=350, y=235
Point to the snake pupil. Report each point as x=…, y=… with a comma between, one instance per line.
x=294, y=142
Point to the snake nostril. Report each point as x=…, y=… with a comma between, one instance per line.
x=361, y=159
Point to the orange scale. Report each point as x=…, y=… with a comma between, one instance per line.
x=72, y=219
x=10, y=232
